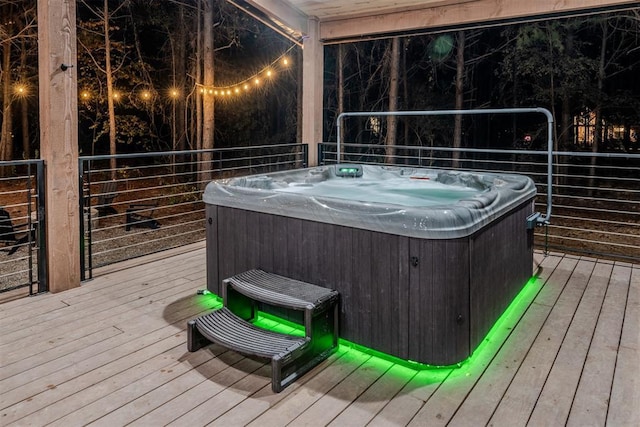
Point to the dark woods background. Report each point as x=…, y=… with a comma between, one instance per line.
x=584, y=69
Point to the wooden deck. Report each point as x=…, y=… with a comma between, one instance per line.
x=113, y=352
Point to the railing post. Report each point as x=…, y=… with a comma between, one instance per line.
x=43, y=274
x=82, y=203
x=321, y=153
x=305, y=155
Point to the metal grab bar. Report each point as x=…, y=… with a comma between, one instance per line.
x=539, y=219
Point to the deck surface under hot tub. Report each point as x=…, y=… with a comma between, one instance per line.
x=427, y=300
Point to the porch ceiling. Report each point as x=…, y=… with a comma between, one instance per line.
x=343, y=20
x=340, y=9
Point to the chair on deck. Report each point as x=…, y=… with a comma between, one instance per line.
x=137, y=215
x=141, y=215
x=108, y=192
x=8, y=233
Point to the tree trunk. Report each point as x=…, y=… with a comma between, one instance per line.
x=110, y=105
x=181, y=72
x=198, y=74
x=340, y=66
x=566, y=134
x=457, y=124
x=405, y=93
x=24, y=113
x=392, y=121
x=597, y=137
x=207, y=99
x=6, y=142
x=299, y=96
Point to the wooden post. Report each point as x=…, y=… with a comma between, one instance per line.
x=59, y=139
x=312, y=81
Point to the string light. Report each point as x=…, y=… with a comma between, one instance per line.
x=268, y=72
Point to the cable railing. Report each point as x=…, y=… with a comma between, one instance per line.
x=152, y=202
x=23, y=268
x=596, y=196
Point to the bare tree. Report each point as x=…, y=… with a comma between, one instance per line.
x=340, y=64
x=8, y=24
x=392, y=121
x=17, y=35
x=6, y=140
x=104, y=16
x=109, y=74
x=208, y=106
x=459, y=103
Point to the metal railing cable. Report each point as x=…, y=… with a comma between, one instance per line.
x=596, y=196
x=155, y=201
x=23, y=266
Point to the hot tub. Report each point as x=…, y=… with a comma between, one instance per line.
x=425, y=260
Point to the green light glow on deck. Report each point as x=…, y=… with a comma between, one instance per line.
x=422, y=373
x=208, y=300
x=276, y=324
x=506, y=322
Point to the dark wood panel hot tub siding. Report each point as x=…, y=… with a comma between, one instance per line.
x=501, y=263
x=423, y=312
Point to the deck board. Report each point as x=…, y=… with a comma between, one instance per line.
x=626, y=380
x=523, y=392
x=113, y=352
x=592, y=395
x=482, y=401
x=556, y=397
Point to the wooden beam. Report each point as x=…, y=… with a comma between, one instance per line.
x=468, y=13
x=282, y=14
x=59, y=139
x=312, y=90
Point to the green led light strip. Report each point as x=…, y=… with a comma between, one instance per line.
x=496, y=336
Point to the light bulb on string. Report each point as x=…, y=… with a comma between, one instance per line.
x=21, y=90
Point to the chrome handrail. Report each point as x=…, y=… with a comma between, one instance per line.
x=539, y=219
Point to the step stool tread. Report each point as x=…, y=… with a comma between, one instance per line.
x=280, y=290
x=223, y=327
